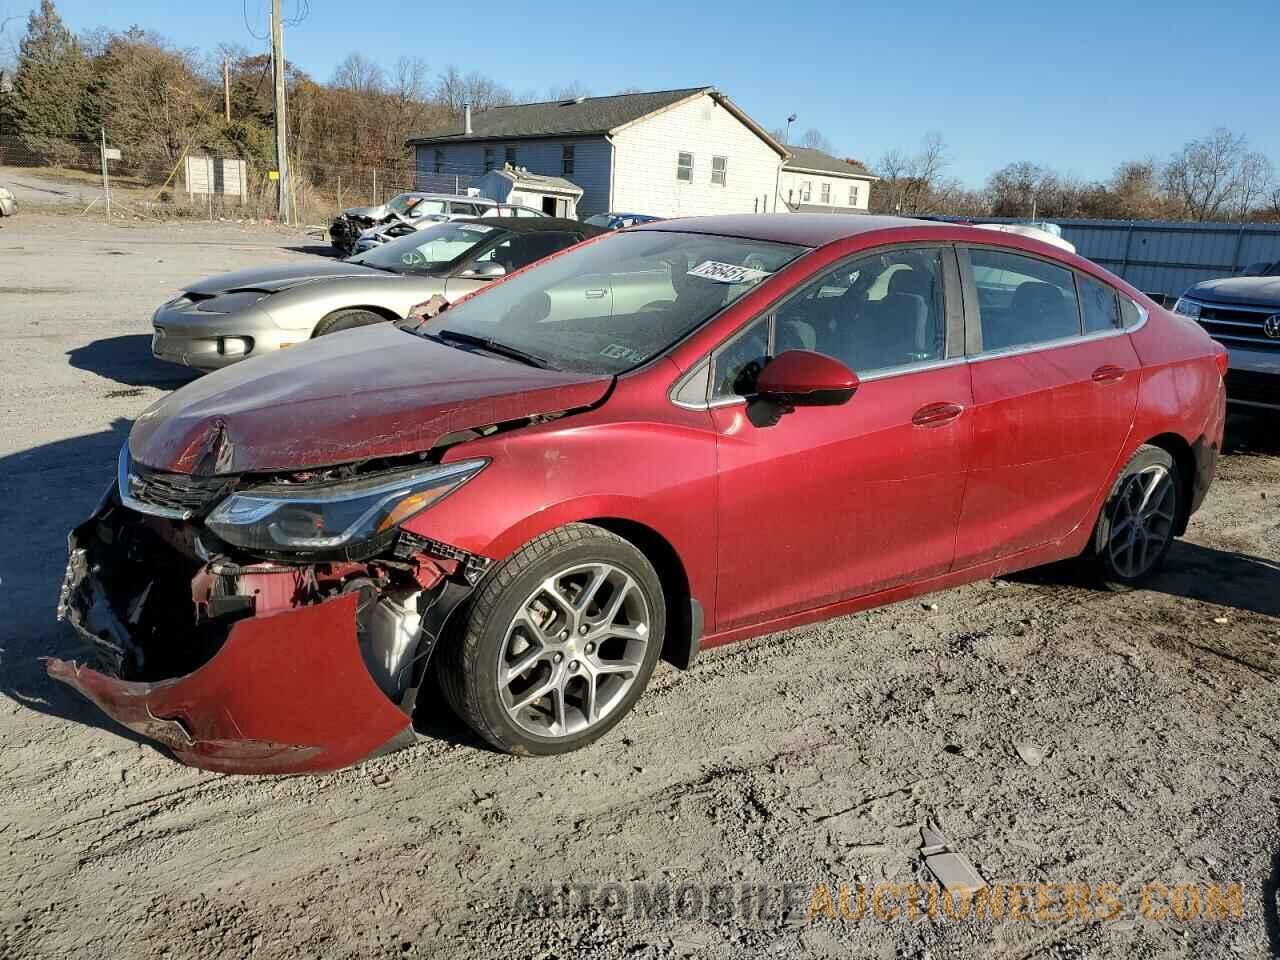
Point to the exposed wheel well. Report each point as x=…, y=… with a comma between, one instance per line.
x=1185, y=462
x=380, y=311
x=679, y=642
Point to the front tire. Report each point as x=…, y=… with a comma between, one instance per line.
x=559, y=642
x=1135, y=527
x=341, y=320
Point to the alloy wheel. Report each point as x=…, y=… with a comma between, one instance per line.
x=573, y=649
x=1142, y=521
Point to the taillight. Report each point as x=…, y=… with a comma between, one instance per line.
x=1222, y=358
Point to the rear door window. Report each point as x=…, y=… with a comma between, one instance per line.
x=1099, y=308
x=1023, y=301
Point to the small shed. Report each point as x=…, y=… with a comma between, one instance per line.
x=554, y=196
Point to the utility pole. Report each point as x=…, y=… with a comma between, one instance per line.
x=226, y=88
x=106, y=183
x=282, y=146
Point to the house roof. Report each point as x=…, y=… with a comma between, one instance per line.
x=537, y=181
x=808, y=160
x=581, y=116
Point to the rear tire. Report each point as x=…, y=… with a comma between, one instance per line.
x=559, y=642
x=341, y=320
x=1135, y=526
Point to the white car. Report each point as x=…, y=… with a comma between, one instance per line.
x=8, y=205
x=402, y=226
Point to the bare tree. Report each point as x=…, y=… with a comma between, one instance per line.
x=815, y=140
x=912, y=183
x=453, y=90
x=1255, y=178
x=360, y=75
x=1204, y=176
x=568, y=91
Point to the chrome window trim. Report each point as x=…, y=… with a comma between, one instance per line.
x=1060, y=342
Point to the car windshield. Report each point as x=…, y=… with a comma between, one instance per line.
x=403, y=203
x=599, y=220
x=615, y=303
x=427, y=251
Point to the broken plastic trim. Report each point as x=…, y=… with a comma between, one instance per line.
x=281, y=681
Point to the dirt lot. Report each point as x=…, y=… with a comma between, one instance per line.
x=805, y=758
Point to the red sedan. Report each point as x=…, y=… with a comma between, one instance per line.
x=656, y=442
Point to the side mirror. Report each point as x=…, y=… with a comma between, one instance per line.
x=802, y=378
x=485, y=271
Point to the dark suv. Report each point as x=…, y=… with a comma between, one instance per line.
x=1243, y=314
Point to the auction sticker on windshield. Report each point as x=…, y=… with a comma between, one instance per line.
x=726, y=272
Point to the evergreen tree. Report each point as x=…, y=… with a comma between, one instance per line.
x=49, y=86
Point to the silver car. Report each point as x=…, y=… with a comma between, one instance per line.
x=224, y=319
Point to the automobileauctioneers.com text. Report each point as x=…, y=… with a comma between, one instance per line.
x=861, y=902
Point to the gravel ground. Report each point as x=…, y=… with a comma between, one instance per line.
x=804, y=758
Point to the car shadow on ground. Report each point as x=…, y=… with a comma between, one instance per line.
x=1220, y=577
x=127, y=360
x=44, y=492
x=1251, y=434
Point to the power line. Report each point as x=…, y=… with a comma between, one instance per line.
x=247, y=26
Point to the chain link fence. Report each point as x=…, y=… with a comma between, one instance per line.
x=66, y=175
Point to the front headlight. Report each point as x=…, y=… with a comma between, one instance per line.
x=333, y=516
x=1188, y=308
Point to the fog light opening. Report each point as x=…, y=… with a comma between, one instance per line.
x=234, y=346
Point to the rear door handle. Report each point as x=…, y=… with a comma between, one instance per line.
x=1108, y=373
x=595, y=293
x=936, y=414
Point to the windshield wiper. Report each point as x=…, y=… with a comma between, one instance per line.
x=493, y=346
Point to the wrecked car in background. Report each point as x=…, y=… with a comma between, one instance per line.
x=225, y=319
x=664, y=439
x=405, y=208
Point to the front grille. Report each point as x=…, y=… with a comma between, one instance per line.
x=1248, y=386
x=170, y=494
x=1240, y=325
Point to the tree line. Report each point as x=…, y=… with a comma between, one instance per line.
x=158, y=102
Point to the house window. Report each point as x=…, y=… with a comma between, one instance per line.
x=439, y=161
x=566, y=160
x=719, y=166
x=684, y=167
x=805, y=187
x=853, y=195
x=826, y=193
x=510, y=156
x=488, y=159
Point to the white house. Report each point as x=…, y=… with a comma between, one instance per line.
x=668, y=153
x=817, y=182
x=555, y=196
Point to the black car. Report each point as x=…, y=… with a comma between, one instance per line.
x=1243, y=314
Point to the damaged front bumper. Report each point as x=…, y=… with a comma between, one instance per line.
x=280, y=669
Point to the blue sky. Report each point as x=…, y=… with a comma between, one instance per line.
x=1079, y=86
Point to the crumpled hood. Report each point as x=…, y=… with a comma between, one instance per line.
x=273, y=279
x=370, y=213
x=377, y=391
x=1260, y=291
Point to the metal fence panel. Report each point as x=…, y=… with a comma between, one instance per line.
x=1167, y=257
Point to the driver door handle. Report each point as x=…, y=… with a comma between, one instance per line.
x=936, y=414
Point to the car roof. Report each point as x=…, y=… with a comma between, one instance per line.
x=536, y=224
x=805, y=229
